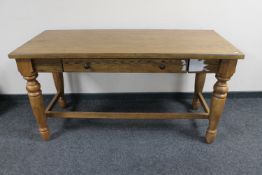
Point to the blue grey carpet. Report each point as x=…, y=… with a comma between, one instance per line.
x=118, y=147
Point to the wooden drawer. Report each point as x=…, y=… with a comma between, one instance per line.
x=125, y=65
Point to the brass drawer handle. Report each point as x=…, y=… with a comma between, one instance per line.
x=87, y=65
x=162, y=66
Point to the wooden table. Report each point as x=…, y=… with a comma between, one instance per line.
x=144, y=51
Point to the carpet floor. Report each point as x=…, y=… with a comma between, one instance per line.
x=135, y=147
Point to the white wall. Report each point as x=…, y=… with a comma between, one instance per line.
x=237, y=20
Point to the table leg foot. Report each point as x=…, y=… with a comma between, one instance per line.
x=211, y=136
x=195, y=104
x=44, y=132
x=62, y=102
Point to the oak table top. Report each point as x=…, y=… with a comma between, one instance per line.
x=140, y=43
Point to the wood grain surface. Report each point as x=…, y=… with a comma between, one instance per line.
x=193, y=44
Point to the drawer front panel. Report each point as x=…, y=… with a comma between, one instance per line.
x=125, y=65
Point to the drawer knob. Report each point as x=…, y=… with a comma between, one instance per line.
x=162, y=66
x=87, y=66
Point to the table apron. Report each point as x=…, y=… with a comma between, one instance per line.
x=126, y=65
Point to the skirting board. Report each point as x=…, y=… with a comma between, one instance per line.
x=153, y=95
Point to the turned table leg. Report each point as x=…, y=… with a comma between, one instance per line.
x=36, y=101
x=225, y=71
x=199, y=84
x=59, y=84
x=35, y=95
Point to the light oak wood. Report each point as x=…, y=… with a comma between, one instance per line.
x=124, y=115
x=199, y=85
x=59, y=84
x=126, y=65
x=127, y=115
x=226, y=70
x=203, y=102
x=175, y=44
x=48, y=65
x=52, y=103
x=35, y=95
x=144, y=51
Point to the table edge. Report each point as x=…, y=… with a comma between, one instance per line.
x=127, y=56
